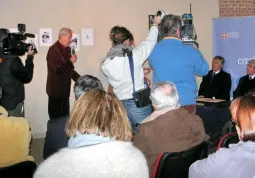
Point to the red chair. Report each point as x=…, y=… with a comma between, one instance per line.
x=228, y=139
x=176, y=165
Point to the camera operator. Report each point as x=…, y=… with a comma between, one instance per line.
x=172, y=60
x=13, y=76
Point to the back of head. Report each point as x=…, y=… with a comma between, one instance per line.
x=243, y=114
x=118, y=35
x=165, y=95
x=170, y=25
x=97, y=110
x=86, y=83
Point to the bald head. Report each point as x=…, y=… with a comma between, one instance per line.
x=165, y=95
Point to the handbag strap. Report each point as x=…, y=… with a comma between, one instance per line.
x=131, y=66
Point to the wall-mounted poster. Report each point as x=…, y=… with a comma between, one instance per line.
x=151, y=17
x=87, y=37
x=76, y=42
x=45, y=36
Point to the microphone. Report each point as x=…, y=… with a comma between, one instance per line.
x=72, y=50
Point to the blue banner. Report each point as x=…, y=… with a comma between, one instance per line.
x=234, y=39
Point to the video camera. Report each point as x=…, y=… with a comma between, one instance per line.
x=187, y=29
x=14, y=42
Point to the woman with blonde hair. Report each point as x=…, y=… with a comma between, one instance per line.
x=100, y=143
x=237, y=161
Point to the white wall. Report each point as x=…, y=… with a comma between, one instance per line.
x=101, y=16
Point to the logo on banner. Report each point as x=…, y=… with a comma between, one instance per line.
x=226, y=35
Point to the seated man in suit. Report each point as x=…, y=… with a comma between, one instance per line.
x=217, y=83
x=247, y=82
x=170, y=128
x=56, y=137
x=15, y=138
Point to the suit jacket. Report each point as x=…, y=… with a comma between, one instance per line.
x=173, y=131
x=244, y=86
x=218, y=87
x=60, y=71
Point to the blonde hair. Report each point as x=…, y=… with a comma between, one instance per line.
x=243, y=114
x=99, y=110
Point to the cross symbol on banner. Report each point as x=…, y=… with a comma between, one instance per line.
x=224, y=35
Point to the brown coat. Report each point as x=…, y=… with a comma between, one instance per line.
x=60, y=71
x=173, y=131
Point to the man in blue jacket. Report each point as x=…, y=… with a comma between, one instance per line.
x=171, y=60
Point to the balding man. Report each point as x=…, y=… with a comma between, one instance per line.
x=60, y=72
x=170, y=128
x=247, y=82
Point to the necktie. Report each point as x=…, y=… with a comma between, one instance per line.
x=213, y=74
x=250, y=77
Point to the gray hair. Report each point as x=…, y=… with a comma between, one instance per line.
x=169, y=25
x=64, y=31
x=221, y=59
x=252, y=61
x=163, y=100
x=86, y=83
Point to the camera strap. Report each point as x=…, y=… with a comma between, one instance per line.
x=131, y=66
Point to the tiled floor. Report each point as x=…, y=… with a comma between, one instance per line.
x=36, y=149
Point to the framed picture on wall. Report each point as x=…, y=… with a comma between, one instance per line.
x=151, y=17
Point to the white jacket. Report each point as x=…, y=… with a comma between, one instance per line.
x=118, y=72
x=115, y=159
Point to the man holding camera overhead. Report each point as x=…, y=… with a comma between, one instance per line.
x=174, y=61
x=13, y=76
x=60, y=59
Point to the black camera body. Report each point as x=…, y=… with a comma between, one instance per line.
x=14, y=42
x=187, y=29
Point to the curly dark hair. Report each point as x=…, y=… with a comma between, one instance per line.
x=120, y=34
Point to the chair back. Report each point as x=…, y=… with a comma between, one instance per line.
x=24, y=169
x=228, y=139
x=176, y=165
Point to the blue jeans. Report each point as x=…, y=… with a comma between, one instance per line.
x=136, y=115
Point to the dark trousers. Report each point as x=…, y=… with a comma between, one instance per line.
x=58, y=107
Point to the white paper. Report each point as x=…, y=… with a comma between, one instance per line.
x=33, y=40
x=76, y=42
x=87, y=37
x=45, y=35
x=14, y=30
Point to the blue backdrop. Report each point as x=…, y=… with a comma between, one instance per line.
x=234, y=39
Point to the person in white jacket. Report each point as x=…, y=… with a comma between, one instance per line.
x=100, y=143
x=116, y=69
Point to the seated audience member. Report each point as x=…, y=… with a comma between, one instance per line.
x=15, y=137
x=100, y=143
x=247, y=82
x=169, y=128
x=237, y=161
x=56, y=137
x=217, y=83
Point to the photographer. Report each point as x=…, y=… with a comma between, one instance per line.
x=117, y=69
x=172, y=60
x=13, y=76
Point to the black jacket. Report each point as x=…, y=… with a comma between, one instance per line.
x=218, y=87
x=13, y=75
x=244, y=86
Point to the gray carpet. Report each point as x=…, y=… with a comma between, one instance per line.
x=36, y=150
